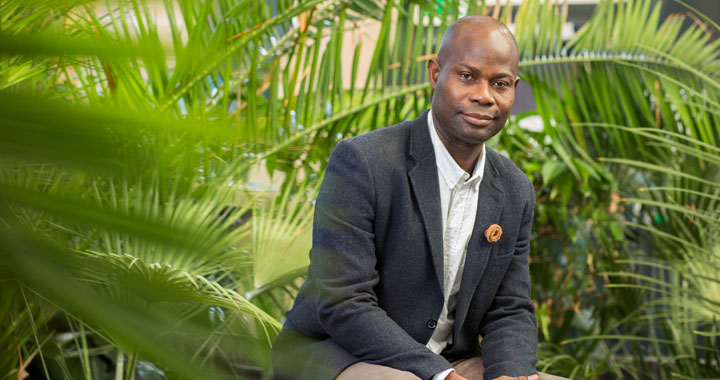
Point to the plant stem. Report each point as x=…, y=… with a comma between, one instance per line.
x=132, y=361
x=119, y=361
x=85, y=352
x=35, y=333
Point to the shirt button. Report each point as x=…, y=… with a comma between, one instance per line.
x=431, y=324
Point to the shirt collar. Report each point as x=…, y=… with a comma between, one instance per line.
x=451, y=172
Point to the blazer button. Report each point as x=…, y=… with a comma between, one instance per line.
x=431, y=324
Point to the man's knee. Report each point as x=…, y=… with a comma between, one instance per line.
x=364, y=371
x=473, y=368
x=470, y=368
x=545, y=376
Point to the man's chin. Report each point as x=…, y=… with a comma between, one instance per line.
x=479, y=136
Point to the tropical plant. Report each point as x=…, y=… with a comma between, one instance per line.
x=634, y=98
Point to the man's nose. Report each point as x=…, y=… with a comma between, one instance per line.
x=482, y=93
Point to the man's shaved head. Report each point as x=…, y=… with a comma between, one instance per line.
x=452, y=39
x=474, y=77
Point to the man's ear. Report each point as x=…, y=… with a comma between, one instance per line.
x=433, y=68
x=517, y=80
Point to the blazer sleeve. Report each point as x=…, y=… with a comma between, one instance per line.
x=509, y=328
x=343, y=261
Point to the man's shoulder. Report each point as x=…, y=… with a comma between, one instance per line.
x=388, y=137
x=509, y=171
x=502, y=163
x=388, y=144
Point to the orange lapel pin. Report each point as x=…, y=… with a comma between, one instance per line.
x=493, y=233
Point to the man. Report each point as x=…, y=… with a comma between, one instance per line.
x=421, y=238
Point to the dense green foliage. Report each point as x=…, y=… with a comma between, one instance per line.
x=136, y=244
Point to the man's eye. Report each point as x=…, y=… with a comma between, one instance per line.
x=465, y=76
x=501, y=84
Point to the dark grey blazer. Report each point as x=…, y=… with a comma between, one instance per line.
x=374, y=286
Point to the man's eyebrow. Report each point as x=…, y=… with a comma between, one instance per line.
x=469, y=67
x=474, y=69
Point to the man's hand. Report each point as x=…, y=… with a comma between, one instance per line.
x=531, y=377
x=455, y=376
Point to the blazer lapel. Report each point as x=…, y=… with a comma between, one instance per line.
x=479, y=250
x=423, y=175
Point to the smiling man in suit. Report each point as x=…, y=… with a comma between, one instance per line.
x=419, y=265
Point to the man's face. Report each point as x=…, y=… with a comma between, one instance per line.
x=474, y=81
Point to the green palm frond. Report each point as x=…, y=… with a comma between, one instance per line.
x=281, y=241
x=280, y=246
x=156, y=282
x=636, y=61
x=44, y=269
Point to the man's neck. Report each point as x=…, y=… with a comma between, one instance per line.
x=466, y=156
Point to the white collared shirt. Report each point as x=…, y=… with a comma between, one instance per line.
x=458, y=199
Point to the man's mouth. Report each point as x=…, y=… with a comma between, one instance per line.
x=477, y=119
